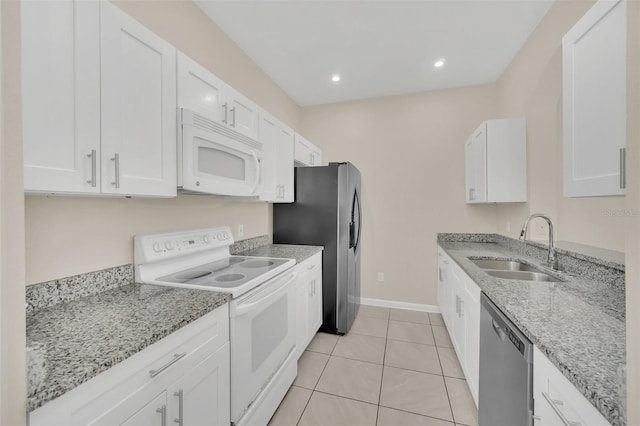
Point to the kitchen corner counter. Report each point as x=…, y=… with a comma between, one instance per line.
x=70, y=343
x=579, y=324
x=285, y=251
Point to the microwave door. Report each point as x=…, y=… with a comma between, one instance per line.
x=215, y=163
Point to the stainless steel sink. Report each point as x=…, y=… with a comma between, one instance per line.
x=523, y=275
x=504, y=265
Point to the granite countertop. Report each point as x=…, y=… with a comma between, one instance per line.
x=286, y=251
x=78, y=327
x=579, y=324
x=71, y=342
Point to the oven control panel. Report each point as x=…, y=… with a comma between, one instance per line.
x=162, y=246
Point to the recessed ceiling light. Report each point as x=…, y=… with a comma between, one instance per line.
x=439, y=63
x=335, y=78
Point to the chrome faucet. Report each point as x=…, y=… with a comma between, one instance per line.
x=552, y=261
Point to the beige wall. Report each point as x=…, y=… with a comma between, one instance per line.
x=532, y=87
x=12, y=317
x=632, y=253
x=409, y=150
x=66, y=236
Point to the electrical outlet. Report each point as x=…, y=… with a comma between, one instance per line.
x=380, y=276
x=240, y=231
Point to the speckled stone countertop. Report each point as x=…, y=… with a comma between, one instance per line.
x=299, y=253
x=80, y=326
x=579, y=324
x=79, y=339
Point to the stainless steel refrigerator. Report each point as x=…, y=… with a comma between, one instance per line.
x=327, y=212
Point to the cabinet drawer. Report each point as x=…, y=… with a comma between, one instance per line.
x=555, y=396
x=146, y=373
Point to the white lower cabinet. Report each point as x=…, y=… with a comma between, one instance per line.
x=182, y=379
x=556, y=401
x=309, y=301
x=459, y=301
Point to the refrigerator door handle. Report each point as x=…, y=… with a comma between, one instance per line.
x=354, y=237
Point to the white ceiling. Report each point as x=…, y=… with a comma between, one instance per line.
x=379, y=48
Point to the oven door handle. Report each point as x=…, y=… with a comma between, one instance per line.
x=265, y=296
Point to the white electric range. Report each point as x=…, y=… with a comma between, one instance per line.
x=261, y=310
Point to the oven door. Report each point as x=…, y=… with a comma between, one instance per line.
x=262, y=336
x=216, y=159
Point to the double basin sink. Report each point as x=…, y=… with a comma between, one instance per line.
x=512, y=270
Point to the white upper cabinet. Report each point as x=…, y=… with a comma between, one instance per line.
x=202, y=92
x=594, y=102
x=284, y=161
x=61, y=96
x=98, y=102
x=243, y=114
x=306, y=153
x=277, y=160
x=496, y=162
x=138, y=107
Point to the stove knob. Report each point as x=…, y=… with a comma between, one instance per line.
x=226, y=235
x=157, y=247
x=206, y=239
x=168, y=245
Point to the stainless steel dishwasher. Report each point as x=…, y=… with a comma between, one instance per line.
x=505, y=395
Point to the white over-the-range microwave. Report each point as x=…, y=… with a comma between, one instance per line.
x=215, y=159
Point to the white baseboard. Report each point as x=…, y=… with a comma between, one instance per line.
x=399, y=305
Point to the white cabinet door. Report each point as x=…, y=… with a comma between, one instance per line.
x=443, y=287
x=302, y=314
x=302, y=151
x=594, y=101
x=284, y=163
x=268, y=136
x=315, y=297
x=61, y=96
x=243, y=114
x=201, y=396
x=476, y=166
x=152, y=414
x=458, y=328
x=472, y=336
x=316, y=157
x=556, y=400
x=137, y=107
x=201, y=91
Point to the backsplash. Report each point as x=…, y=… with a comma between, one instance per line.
x=49, y=293
x=250, y=243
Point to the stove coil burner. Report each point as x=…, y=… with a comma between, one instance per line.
x=229, y=277
x=257, y=264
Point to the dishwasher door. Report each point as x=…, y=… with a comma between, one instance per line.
x=505, y=396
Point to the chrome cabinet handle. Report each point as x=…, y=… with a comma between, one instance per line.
x=461, y=308
x=116, y=159
x=439, y=274
x=457, y=305
x=180, y=419
x=471, y=194
x=554, y=404
x=163, y=412
x=233, y=123
x=93, y=168
x=176, y=358
x=226, y=113
x=623, y=168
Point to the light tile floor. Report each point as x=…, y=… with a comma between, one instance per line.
x=394, y=368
